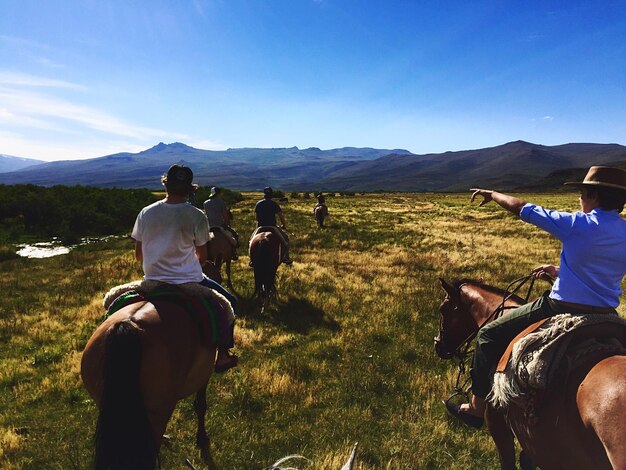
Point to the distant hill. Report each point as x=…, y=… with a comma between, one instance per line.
x=506, y=166
x=556, y=179
x=241, y=169
x=11, y=163
x=510, y=166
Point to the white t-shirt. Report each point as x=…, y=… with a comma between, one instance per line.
x=169, y=234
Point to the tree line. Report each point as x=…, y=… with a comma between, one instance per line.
x=72, y=212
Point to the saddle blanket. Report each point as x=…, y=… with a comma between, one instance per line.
x=535, y=358
x=210, y=310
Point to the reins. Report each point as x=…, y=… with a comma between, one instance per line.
x=463, y=352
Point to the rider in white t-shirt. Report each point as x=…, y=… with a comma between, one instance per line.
x=172, y=238
x=170, y=241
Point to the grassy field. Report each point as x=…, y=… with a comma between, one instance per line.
x=345, y=355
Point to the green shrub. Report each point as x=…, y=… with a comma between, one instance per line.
x=7, y=252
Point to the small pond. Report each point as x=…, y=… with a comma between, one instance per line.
x=54, y=247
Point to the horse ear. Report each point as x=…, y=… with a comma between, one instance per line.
x=447, y=287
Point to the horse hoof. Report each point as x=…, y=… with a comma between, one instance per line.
x=525, y=463
x=202, y=441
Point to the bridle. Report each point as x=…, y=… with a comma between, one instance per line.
x=463, y=352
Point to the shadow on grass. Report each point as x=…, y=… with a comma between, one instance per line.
x=295, y=314
x=247, y=306
x=300, y=316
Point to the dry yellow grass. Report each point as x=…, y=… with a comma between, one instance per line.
x=344, y=355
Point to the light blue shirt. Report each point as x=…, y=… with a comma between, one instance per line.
x=593, y=256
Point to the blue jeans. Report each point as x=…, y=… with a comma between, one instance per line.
x=210, y=283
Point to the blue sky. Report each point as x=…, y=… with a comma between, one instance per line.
x=82, y=79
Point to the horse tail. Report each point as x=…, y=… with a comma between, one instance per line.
x=264, y=274
x=123, y=437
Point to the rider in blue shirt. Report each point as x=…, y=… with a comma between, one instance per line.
x=593, y=256
x=588, y=280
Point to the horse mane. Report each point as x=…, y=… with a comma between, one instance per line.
x=457, y=283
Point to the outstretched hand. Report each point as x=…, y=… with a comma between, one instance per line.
x=547, y=272
x=485, y=193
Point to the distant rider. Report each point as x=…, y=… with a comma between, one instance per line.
x=219, y=218
x=321, y=202
x=266, y=211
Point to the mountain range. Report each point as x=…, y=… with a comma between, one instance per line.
x=11, y=163
x=515, y=165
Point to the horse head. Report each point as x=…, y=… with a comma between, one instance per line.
x=456, y=324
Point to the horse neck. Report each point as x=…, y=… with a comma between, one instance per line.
x=480, y=302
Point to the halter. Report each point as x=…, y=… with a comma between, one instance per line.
x=462, y=351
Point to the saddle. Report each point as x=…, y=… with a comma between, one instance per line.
x=229, y=236
x=324, y=208
x=273, y=229
x=209, y=309
x=540, y=357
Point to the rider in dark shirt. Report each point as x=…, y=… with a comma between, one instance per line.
x=266, y=211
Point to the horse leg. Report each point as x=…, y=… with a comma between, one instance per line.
x=199, y=406
x=265, y=302
x=228, y=282
x=202, y=439
x=525, y=462
x=502, y=437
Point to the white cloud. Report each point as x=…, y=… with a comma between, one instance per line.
x=19, y=145
x=28, y=104
x=46, y=62
x=200, y=7
x=25, y=80
x=544, y=119
x=37, y=122
x=7, y=118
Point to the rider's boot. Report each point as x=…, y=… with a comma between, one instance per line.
x=225, y=360
x=286, y=258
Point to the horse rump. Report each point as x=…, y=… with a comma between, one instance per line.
x=321, y=212
x=264, y=271
x=123, y=438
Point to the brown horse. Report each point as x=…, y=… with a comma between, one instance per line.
x=220, y=251
x=265, y=257
x=321, y=212
x=137, y=365
x=212, y=271
x=582, y=425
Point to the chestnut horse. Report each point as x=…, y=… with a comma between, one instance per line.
x=582, y=425
x=220, y=251
x=265, y=257
x=321, y=212
x=137, y=365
